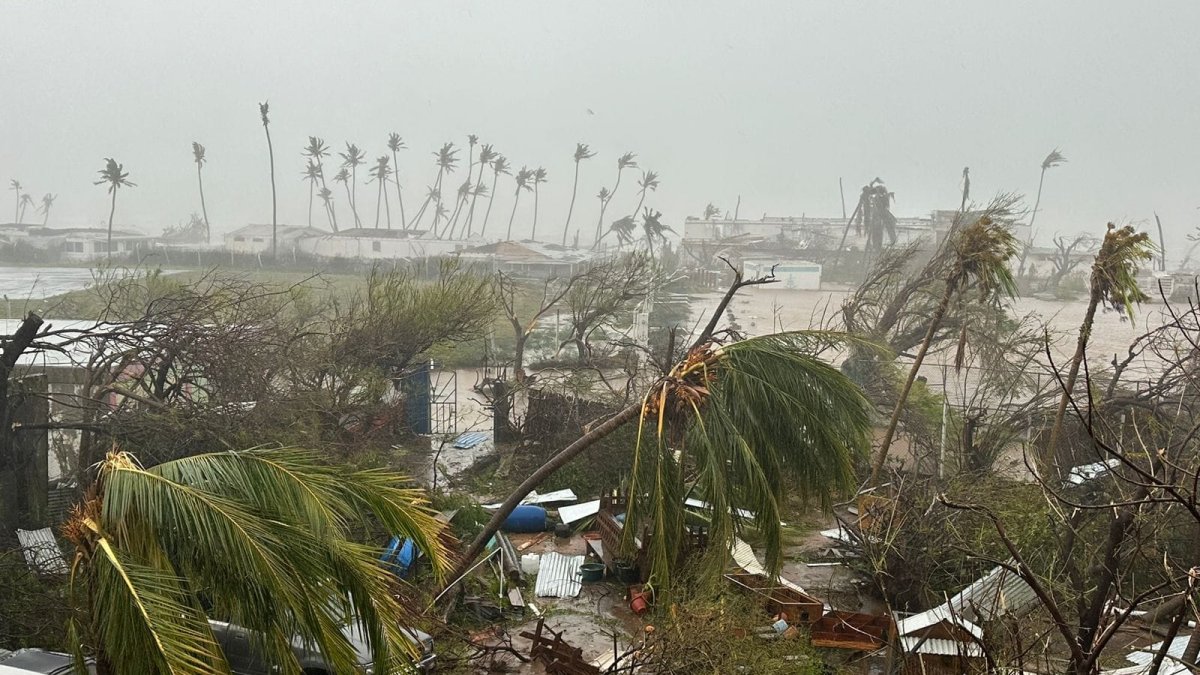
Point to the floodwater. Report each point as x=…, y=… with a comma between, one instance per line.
x=39, y=283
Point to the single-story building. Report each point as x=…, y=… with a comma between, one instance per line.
x=257, y=238
x=797, y=275
x=379, y=244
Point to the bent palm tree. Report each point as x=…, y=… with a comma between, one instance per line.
x=625, y=161
x=740, y=425
x=114, y=176
x=352, y=158
x=523, y=178
x=264, y=110
x=499, y=166
x=15, y=185
x=47, y=202
x=198, y=157
x=981, y=252
x=380, y=173
x=446, y=159
x=487, y=155
x=326, y=196
x=1112, y=285
x=264, y=536
x=312, y=173
x=582, y=152
x=539, y=177
x=1052, y=160
x=395, y=143
x=317, y=151
x=648, y=181
x=26, y=202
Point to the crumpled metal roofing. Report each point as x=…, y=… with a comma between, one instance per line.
x=559, y=576
x=995, y=594
x=941, y=647
x=41, y=551
x=470, y=439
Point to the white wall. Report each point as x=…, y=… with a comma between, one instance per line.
x=369, y=248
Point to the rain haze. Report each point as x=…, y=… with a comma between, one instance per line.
x=772, y=101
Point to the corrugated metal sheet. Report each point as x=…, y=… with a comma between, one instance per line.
x=1082, y=474
x=941, y=647
x=41, y=551
x=1145, y=656
x=998, y=593
x=743, y=556
x=559, y=576
x=916, y=622
x=471, y=439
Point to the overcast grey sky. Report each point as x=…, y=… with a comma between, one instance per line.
x=770, y=100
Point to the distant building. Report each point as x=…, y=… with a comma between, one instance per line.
x=378, y=244
x=77, y=243
x=799, y=275
x=531, y=258
x=257, y=238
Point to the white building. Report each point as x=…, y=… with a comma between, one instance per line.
x=799, y=275
x=379, y=244
x=79, y=244
x=257, y=238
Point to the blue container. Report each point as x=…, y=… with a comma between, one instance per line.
x=526, y=518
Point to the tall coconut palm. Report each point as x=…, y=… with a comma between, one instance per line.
x=312, y=174
x=431, y=196
x=326, y=196
x=317, y=151
x=114, y=176
x=343, y=177
x=743, y=426
x=499, y=166
x=264, y=110
x=980, y=253
x=352, y=158
x=539, y=177
x=26, y=202
x=486, y=156
x=460, y=200
x=15, y=185
x=47, y=202
x=625, y=161
x=446, y=159
x=624, y=228
x=523, y=180
x=582, y=152
x=395, y=144
x=653, y=229
x=1113, y=285
x=648, y=182
x=264, y=537
x=1052, y=160
x=381, y=173
x=198, y=156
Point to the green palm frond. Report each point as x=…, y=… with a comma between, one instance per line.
x=1114, y=271
x=753, y=422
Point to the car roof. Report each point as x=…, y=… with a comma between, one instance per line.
x=40, y=661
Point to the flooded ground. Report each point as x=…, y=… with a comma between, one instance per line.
x=39, y=283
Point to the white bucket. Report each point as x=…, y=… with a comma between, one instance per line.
x=531, y=563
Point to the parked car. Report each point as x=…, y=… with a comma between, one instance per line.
x=40, y=661
x=243, y=659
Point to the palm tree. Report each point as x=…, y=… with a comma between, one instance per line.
x=464, y=193
x=499, y=166
x=326, y=196
x=317, y=151
x=431, y=195
x=198, y=157
x=582, y=152
x=114, y=176
x=26, y=202
x=312, y=173
x=47, y=202
x=539, y=177
x=486, y=156
x=653, y=229
x=625, y=161
x=1112, y=285
x=446, y=158
x=1053, y=159
x=624, y=228
x=711, y=211
x=743, y=426
x=264, y=110
x=351, y=159
x=380, y=173
x=395, y=143
x=263, y=537
x=980, y=255
x=648, y=181
x=15, y=185
x=343, y=177
x=523, y=178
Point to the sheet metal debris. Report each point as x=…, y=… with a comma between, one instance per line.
x=559, y=576
x=995, y=594
x=470, y=439
x=1082, y=474
x=941, y=647
x=574, y=512
x=41, y=551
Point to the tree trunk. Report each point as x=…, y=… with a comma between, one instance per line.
x=1050, y=457
x=311, y=189
x=516, y=200
x=274, y=199
x=399, y=196
x=487, y=214
x=1191, y=653
x=542, y=473
x=533, y=235
x=1032, y=217
x=571, y=208
x=204, y=207
x=112, y=210
x=11, y=470
x=354, y=195
x=934, y=323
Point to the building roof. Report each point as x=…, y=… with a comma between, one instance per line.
x=914, y=645
x=1172, y=664
x=932, y=617
x=996, y=594
x=532, y=251
x=377, y=233
x=260, y=230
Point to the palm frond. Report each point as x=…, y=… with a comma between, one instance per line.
x=1053, y=159
x=1116, y=266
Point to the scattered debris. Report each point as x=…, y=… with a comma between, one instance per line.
x=779, y=600
x=533, y=542
x=553, y=651
x=574, y=512
x=567, y=495
x=41, y=551
x=851, y=630
x=471, y=439
x=559, y=576
x=1088, y=472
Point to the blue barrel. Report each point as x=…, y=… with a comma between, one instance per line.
x=526, y=518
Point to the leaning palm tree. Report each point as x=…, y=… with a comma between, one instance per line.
x=199, y=158
x=499, y=166
x=264, y=110
x=317, y=151
x=582, y=152
x=523, y=179
x=464, y=194
x=978, y=259
x=343, y=177
x=381, y=173
x=1052, y=160
x=26, y=202
x=539, y=177
x=432, y=195
x=624, y=228
x=648, y=182
x=446, y=159
x=487, y=155
x=1114, y=286
x=352, y=158
x=625, y=161
x=265, y=538
x=743, y=426
x=114, y=176
x=326, y=196
x=312, y=174
x=47, y=202
x=15, y=185
x=653, y=229
x=395, y=143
